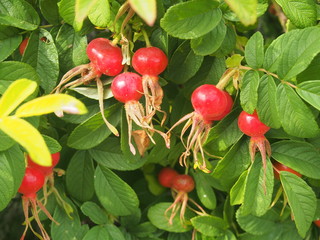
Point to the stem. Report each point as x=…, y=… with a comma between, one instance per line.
x=224, y=80
x=261, y=70
x=146, y=38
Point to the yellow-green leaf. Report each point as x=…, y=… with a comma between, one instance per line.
x=51, y=103
x=15, y=94
x=246, y=10
x=147, y=10
x=28, y=137
x=82, y=9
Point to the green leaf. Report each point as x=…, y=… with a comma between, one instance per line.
x=191, y=19
x=216, y=36
x=228, y=44
x=94, y=212
x=296, y=57
x=209, y=225
x=52, y=144
x=27, y=136
x=67, y=10
x=16, y=158
x=16, y=93
x=115, y=195
x=68, y=228
x=5, y=141
x=258, y=225
x=183, y=64
x=267, y=106
x=11, y=71
x=100, y=15
x=254, y=50
x=259, y=188
x=296, y=118
x=11, y=173
x=246, y=10
x=9, y=41
x=249, y=91
x=18, y=13
x=79, y=176
x=71, y=47
x=82, y=10
x=300, y=156
x=50, y=11
x=93, y=131
x=109, y=154
x=275, y=50
x=43, y=56
x=147, y=10
x=302, y=200
x=234, y=162
x=238, y=189
x=156, y=215
x=224, y=134
x=302, y=13
x=311, y=72
x=51, y=103
x=309, y=91
x=204, y=191
x=98, y=233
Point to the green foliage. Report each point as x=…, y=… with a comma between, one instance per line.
x=265, y=54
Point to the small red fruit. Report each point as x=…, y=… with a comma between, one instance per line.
x=105, y=57
x=278, y=167
x=317, y=223
x=45, y=170
x=183, y=183
x=32, y=182
x=127, y=87
x=251, y=125
x=23, y=45
x=149, y=61
x=181, y=186
x=209, y=101
x=166, y=176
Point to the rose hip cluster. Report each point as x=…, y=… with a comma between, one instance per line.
x=34, y=179
x=209, y=102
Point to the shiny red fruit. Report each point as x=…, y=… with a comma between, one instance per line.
x=280, y=167
x=251, y=125
x=127, y=87
x=23, y=45
x=45, y=170
x=166, y=176
x=105, y=57
x=149, y=61
x=228, y=108
x=32, y=182
x=183, y=183
x=209, y=101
